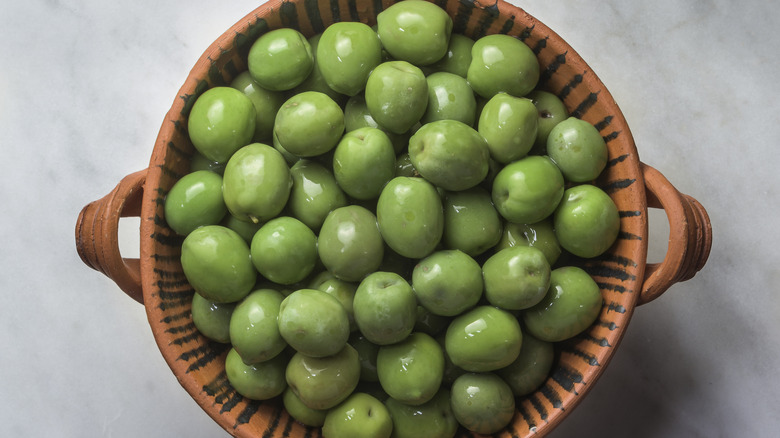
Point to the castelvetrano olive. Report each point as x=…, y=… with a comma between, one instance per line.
x=280, y=59
x=347, y=52
x=350, y=244
x=449, y=154
x=217, y=264
x=284, y=250
x=502, y=64
x=221, y=121
x=416, y=32
x=309, y=124
x=410, y=216
x=257, y=183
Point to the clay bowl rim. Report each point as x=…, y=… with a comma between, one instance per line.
x=539, y=413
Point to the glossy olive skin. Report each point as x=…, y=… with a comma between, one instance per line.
x=432, y=419
x=587, y=221
x=347, y=52
x=571, y=305
x=324, y=382
x=410, y=216
x=471, y=222
x=528, y=190
x=539, y=235
x=221, y=121
x=339, y=289
x=302, y=413
x=284, y=250
x=458, y=56
x=447, y=282
x=450, y=154
x=502, y=64
x=449, y=98
x=212, y=319
x=244, y=229
x=385, y=308
x=367, y=352
x=396, y=95
x=254, y=332
x=216, y=262
x=266, y=104
x=509, y=125
x=314, y=193
x=404, y=166
x=350, y=244
x=280, y=59
x=516, y=278
x=363, y=162
x=260, y=381
x=193, y=201
x=551, y=112
x=411, y=371
x=416, y=32
x=482, y=403
x=357, y=115
x=313, y=323
x=531, y=368
x=578, y=149
x=359, y=416
x=257, y=183
x=430, y=323
x=316, y=81
x=309, y=124
x=485, y=338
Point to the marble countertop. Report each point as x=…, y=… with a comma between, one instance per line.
x=84, y=86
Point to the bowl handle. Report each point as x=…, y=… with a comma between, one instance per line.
x=690, y=236
x=97, y=234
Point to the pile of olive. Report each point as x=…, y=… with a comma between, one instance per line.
x=374, y=221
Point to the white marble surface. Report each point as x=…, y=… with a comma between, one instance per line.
x=84, y=86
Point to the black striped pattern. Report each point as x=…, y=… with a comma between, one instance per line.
x=617, y=272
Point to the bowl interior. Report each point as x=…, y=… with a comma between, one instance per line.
x=199, y=363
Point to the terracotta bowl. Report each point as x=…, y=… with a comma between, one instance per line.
x=625, y=278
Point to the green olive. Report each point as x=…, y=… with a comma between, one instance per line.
x=217, y=264
x=266, y=104
x=587, y=221
x=254, y=332
x=257, y=183
x=571, y=305
x=346, y=54
x=450, y=154
x=284, y=250
x=260, y=381
x=309, y=124
x=447, y=282
x=531, y=368
x=350, y=244
x=410, y=216
x=212, y=319
x=193, y=201
x=482, y=403
x=397, y=95
x=485, y=338
x=221, y=121
x=416, y=32
x=471, y=222
x=324, y=382
x=280, y=59
x=411, y=370
x=314, y=193
x=313, y=323
x=502, y=64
